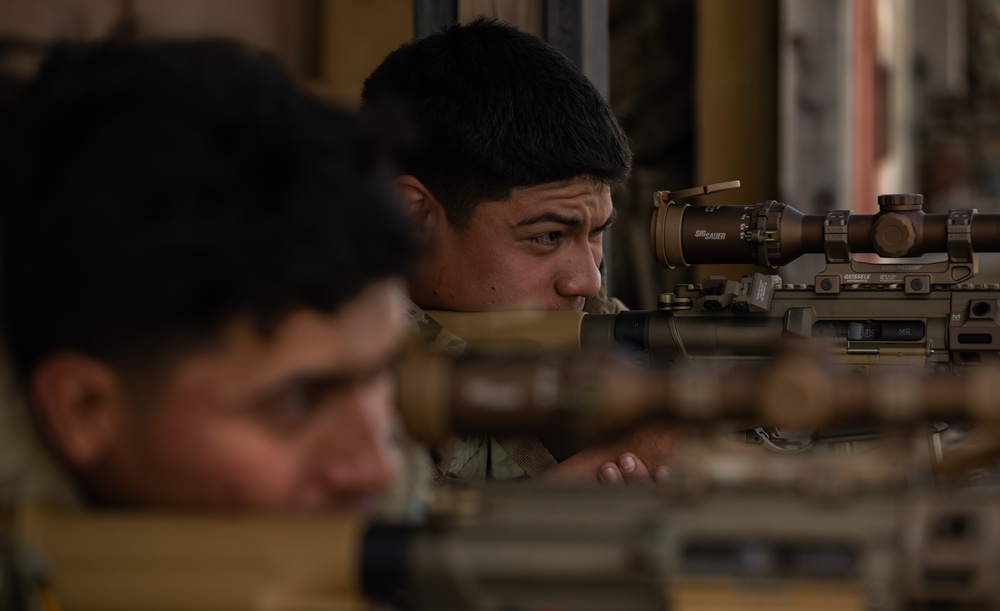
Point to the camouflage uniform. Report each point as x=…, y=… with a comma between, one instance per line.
x=29, y=474
x=476, y=459
x=28, y=470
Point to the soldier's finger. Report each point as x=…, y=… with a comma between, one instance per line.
x=661, y=475
x=610, y=474
x=633, y=470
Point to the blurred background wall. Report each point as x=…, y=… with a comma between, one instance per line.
x=822, y=104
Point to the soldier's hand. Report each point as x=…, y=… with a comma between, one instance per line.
x=634, y=458
x=630, y=470
x=645, y=455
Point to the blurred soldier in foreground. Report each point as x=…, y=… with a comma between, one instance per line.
x=200, y=266
x=508, y=179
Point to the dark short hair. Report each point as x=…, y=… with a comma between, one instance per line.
x=151, y=193
x=494, y=108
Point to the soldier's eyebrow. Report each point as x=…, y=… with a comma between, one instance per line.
x=569, y=221
x=551, y=217
x=325, y=381
x=608, y=222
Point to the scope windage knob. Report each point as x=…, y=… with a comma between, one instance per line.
x=893, y=235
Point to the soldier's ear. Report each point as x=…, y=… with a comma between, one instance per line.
x=419, y=204
x=81, y=405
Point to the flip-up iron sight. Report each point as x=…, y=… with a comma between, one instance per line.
x=770, y=234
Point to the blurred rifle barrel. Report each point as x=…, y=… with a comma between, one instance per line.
x=595, y=395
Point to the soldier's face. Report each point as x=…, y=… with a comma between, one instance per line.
x=295, y=420
x=539, y=249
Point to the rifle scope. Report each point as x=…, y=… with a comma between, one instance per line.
x=771, y=234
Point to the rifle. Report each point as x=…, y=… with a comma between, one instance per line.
x=739, y=532
x=526, y=547
x=917, y=314
x=589, y=397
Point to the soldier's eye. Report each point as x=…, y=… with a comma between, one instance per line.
x=547, y=239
